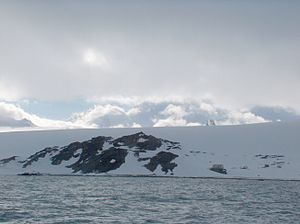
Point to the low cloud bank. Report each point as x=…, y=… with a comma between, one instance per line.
x=135, y=114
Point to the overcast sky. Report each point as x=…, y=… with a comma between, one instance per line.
x=236, y=54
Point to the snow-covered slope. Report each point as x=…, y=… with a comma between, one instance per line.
x=270, y=150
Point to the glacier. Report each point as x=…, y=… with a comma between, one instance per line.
x=263, y=151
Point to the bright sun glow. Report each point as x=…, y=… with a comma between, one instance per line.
x=94, y=58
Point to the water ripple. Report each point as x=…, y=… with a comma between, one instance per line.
x=54, y=199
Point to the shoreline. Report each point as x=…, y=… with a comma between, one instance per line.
x=156, y=176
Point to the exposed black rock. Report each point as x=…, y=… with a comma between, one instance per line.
x=41, y=154
x=108, y=160
x=138, y=140
x=143, y=142
x=144, y=159
x=174, y=147
x=30, y=174
x=66, y=153
x=89, y=148
x=171, y=145
x=103, y=154
x=219, y=168
x=7, y=160
x=268, y=156
x=164, y=159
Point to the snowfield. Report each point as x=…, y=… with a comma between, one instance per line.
x=268, y=150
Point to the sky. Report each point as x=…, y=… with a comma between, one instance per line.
x=93, y=63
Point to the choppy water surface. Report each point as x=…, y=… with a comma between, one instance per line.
x=79, y=199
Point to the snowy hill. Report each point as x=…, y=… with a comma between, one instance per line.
x=270, y=150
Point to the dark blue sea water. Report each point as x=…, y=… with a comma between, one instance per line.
x=80, y=199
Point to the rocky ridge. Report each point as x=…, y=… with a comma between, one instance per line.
x=103, y=154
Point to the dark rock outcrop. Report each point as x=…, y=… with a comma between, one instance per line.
x=164, y=159
x=103, y=154
x=219, y=168
x=30, y=174
x=138, y=140
x=108, y=160
x=7, y=160
x=269, y=156
x=41, y=154
x=66, y=153
x=89, y=148
x=143, y=142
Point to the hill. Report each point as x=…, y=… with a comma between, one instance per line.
x=269, y=150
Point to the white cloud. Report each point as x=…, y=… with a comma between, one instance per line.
x=173, y=122
x=133, y=111
x=241, y=117
x=94, y=58
x=174, y=111
x=49, y=57
x=100, y=116
x=50, y=123
x=117, y=126
x=14, y=116
x=172, y=114
x=169, y=122
x=175, y=115
x=136, y=125
x=136, y=115
x=193, y=124
x=208, y=107
x=11, y=111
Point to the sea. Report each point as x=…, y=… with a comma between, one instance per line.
x=106, y=199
